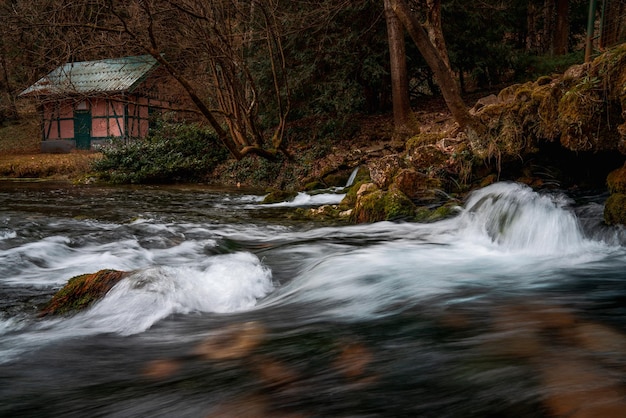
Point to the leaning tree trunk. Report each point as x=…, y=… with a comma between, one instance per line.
x=433, y=28
x=434, y=59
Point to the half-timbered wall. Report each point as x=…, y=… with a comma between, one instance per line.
x=111, y=117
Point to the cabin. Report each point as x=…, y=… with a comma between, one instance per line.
x=87, y=103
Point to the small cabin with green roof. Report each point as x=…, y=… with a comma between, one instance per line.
x=87, y=103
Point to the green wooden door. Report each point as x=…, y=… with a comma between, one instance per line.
x=82, y=129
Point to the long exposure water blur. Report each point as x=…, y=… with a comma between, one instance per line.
x=516, y=306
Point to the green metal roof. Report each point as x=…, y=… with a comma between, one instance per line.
x=114, y=75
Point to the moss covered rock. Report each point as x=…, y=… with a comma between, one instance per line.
x=81, y=291
x=277, y=196
x=616, y=180
x=584, y=110
x=615, y=209
x=417, y=186
x=375, y=205
x=383, y=170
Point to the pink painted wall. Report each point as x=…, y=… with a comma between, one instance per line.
x=99, y=127
x=55, y=128
x=67, y=129
x=107, y=117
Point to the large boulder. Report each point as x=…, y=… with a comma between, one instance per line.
x=383, y=170
x=81, y=291
x=615, y=209
x=616, y=180
x=373, y=205
x=417, y=186
x=615, y=205
x=584, y=110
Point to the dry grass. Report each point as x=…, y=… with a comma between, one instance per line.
x=59, y=166
x=20, y=155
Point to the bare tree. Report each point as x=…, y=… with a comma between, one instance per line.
x=204, y=46
x=208, y=43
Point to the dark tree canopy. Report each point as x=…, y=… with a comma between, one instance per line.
x=249, y=67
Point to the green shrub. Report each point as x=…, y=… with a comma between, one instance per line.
x=175, y=152
x=530, y=67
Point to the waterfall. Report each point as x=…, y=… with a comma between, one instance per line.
x=352, y=177
x=515, y=217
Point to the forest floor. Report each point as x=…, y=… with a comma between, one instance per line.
x=20, y=155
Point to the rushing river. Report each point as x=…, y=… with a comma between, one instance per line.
x=515, y=307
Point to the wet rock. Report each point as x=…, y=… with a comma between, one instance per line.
x=600, y=339
x=416, y=186
x=340, y=212
x=616, y=180
x=382, y=171
x=81, y=291
x=484, y=101
x=233, y=342
x=423, y=152
x=353, y=360
x=161, y=369
x=378, y=205
x=615, y=209
x=272, y=372
x=516, y=333
x=251, y=406
x=615, y=205
x=365, y=189
x=577, y=71
x=577, y=388
x=277, y=196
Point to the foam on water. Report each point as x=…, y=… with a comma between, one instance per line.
x=513, y=217
x=507, y=237
x=7, y=235
x=221, y=284
x=305, y=199
x=228, y=283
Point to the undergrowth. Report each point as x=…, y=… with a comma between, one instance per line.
x=175, y=152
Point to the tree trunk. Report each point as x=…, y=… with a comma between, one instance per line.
x=437, y=63
x=433, y=27
x=612, y=27
x=533, y=37
x=548, y=27
x=404, y=123
x=11, y=111
x=561, y=30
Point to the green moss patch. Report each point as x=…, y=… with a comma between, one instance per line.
x=616, y=180
x=615, y=209
x=81, y=291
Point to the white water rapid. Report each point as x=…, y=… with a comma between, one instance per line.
x=506, y=236
x=233, y=307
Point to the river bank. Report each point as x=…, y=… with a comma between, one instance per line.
x=20, y=155
x=547, y=133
